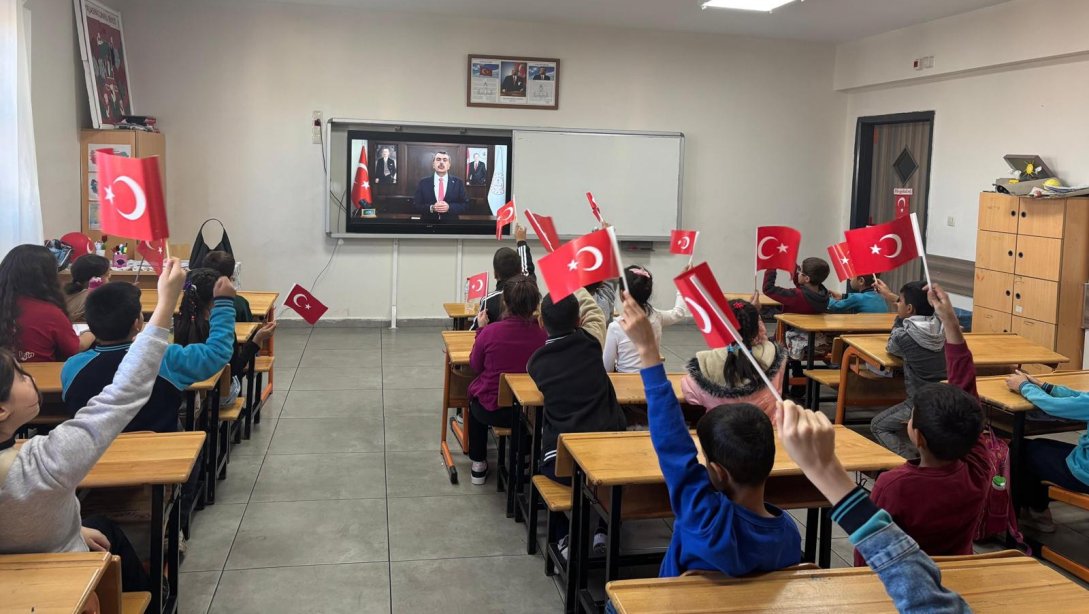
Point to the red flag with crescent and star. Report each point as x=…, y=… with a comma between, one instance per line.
x=710, y=311
x=81, y=244
x=131, y=194
x=683, y=242
x=840, y=257
x=304, y=304
x=902, y=201
x=478, y=286
x=884, y=247
x=505, y=215
x=594, y=208
x=545, y=228
x=154, y=252
x=580, y=262
x=361, y=185
x=777, y=248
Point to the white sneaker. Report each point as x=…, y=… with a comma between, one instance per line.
x=479, y=473
x=1039, y=521
x=562, y=545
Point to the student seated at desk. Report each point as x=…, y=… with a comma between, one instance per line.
x=34, y=322
x=39, y=511
x=501, y=347
x=918, y=340
x=725, y=377
x=722, y=521
x=620, y=355
x=507, y=264
x=938, y=499
x=604, y=293
x=1063, y=464
x=89, y=271
x=224, y=264
x=807, y=296
x=863, y=298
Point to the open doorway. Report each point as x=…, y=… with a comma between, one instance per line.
x=892, y=162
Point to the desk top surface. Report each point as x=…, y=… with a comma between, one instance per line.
x=260, y=302
x=765, y=300
x=244, y=330
x=137, y=459
x=628, y=458
x=988, y=349
x=628, y=386
x=838, y=322
x=460, y=310
x=47, y=375
x=458, y=345
x=993, y=390
x=57, y=583
x=990, y=585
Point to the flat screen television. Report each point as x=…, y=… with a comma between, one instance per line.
x=440, y=184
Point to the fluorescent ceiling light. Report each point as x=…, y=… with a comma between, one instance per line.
x=746, y=5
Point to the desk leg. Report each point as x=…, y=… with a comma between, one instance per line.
x=251, y=402
x=812, y=526
x=514, y=464
x=576, y=550
x=612, y=553
x=190, y=410
x=212, y=445
x=534, y=469
x=809, y=383
x=826, y=538
x=1017, y=448
x=159, y=559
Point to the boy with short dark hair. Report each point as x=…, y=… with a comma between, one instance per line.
x=863, y=298
x=808, y=294
x=722, y=521
x=506, y=264
x=917, y=339
x=223, y=263
x=938, y=499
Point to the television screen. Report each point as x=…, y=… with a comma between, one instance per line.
x=426, y=183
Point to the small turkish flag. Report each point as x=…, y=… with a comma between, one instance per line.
x=580, y=262
x=902, y=198
x=884, y=247
x=132, y=203
x=361, y=185
x=712, y=314
x=840, y=256
x=594, y=208
x=545, y=229
x=777, y=248
x=81, y=244
x=154, y=252
x=505, y=215
x=304, y=303
x=683, y=242
x=478, y=286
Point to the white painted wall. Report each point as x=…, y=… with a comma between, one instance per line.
x=233, y=85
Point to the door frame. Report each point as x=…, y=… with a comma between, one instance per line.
x=861, y=182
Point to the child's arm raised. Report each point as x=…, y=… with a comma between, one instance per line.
x=959, y=365
x=591, y=317
x=183, y=366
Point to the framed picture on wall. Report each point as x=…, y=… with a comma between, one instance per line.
x=512, y=82
x=105, y=62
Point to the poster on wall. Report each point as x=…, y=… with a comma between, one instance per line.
x=512, y=82
x=105, y=62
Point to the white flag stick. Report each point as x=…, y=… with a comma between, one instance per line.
x=695, y=240
x=919, y=246
x=737, y=336
x=619, y=262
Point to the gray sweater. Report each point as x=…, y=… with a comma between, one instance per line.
x=920, y=342
x=39, y=511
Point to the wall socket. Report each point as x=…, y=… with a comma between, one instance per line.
x=315, y=129
x=923, y=63
x=950, y=221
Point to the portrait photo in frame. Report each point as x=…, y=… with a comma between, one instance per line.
x=512, y=82
x=105, y=62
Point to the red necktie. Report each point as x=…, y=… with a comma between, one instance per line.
x=442, y=188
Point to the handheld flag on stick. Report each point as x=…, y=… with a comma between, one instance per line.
x=777, y=248
x=588, y=259
x=478, y=286
x=132, y=202
x=504, y=216
x=594, y=208
x=683, y=242
x=154, y=252
x=840, y=256
x=305, y=304
x=884, y=247
x=545, y=228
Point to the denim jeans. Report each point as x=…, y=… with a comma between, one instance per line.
x=890, y=428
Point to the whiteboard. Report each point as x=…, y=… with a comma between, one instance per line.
x=635, y=178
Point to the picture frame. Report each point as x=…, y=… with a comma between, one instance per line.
x=512, y=82
x=105, y=62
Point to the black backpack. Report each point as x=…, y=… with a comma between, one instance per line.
x=201, y=249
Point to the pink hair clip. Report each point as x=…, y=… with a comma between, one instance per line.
x=95, y=282
x=640, y=272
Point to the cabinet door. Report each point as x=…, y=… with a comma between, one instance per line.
x=1037, y=332
x=1036, y=299
x=993, y=290
x=989, y=321
x=998, y=212
x=1039, y=257
x=1041, y=218
x=995, y=251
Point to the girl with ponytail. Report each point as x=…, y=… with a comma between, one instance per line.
x=725, y=377
x=89, y=271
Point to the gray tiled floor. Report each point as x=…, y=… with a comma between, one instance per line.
x=339, y=502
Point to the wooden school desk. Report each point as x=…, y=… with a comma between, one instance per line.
x=765, y=300
x=59, y=583
x=462, y=314
x=832, y=324
x=1017, y=584
x=602, y=465
x=457, y=346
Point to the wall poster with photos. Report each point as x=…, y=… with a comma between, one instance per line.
x=105, y=62
x=512, y=82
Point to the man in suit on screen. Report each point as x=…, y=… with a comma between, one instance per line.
x=441, y=194
x=478, y=171
x=386, y=171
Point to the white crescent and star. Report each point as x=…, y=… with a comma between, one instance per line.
x=901, y=201
x=595, y=252
x=696, y=308
x=138, y=195
x=296, y=302
x=685, y=242
x=876, y=249
x=478, y=285
x=506, y=215
x=760, y=248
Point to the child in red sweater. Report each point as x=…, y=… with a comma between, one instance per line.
x=938, y=499
x=34, y=321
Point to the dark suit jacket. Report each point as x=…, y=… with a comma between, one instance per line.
x=478, y=174
x=456, y=196
x=514, y=83
x=380, y=170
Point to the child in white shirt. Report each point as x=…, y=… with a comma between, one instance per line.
x=619, y=354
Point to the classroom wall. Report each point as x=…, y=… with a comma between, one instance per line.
x=234, y=84
x=1019, y=86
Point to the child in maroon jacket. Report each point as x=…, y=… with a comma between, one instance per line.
x=938, y=499
x=808, y=294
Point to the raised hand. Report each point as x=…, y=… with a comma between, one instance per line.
x=224, y=288
x=810, y=439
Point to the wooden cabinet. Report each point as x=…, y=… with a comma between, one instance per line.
x=1032, y=261
x=130, y=143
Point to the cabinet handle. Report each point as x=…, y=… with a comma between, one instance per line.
x=1024, y=214
x=1010, y=252
x=1013, y=214
x=1007, y=292
x=1017, y=296
x=1020, y=254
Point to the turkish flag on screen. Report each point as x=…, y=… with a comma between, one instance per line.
x=304, y=303
x=884, y=247
x=131, y=194
x=580, y=262
x=683, y=241
x=712, y=314
x=777, y=248
x=505, y=215
x=840, y=257
x=478, y=286
x=361, y=185
x=154, y=252
x=545, y=229
x=594, y=208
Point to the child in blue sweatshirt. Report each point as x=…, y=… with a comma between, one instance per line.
x=864, y=297
x=722, y=521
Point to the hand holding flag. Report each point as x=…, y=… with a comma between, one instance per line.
x=777, y=248
x=545, y=228
x=478, y=286
x=132, y=202
x=304, y=303
x=588, y=259
x=505, y=215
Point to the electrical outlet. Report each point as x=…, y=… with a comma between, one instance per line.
x=928, y=61
x=950, y=221
x=315, y=128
